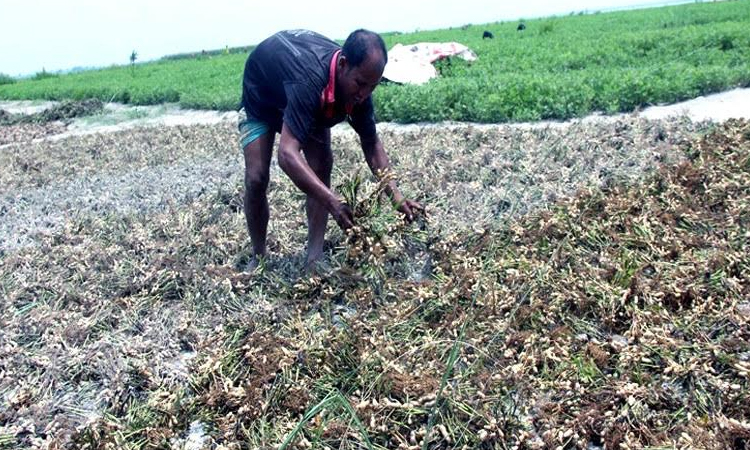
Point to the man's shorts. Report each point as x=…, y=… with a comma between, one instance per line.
x=250, y=129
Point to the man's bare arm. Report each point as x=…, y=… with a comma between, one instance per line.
x=294, y=165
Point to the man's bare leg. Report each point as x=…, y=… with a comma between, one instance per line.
x=319, y=157
x=257, y=164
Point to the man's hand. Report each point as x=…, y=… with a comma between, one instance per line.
x=379, y=165
x=342, y=214
x=409, y=209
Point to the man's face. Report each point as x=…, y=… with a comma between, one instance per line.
x=355, y=84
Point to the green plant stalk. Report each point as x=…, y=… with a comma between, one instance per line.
x=332, y=398
x=452, y=359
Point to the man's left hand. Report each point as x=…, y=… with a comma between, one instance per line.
x=410, y=209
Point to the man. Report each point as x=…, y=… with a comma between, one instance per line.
x=299, y=83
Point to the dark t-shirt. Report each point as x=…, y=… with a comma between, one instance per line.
x=284, y=79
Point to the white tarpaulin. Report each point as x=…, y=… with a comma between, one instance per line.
x=413, y=63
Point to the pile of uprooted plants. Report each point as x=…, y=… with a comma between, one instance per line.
x=618, y=318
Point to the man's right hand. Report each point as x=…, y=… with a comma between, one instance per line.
x=342, y=214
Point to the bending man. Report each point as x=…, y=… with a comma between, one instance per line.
x=300, y=84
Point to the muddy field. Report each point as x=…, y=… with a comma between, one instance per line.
x=582, y=285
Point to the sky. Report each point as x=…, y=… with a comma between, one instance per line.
x=57, y=35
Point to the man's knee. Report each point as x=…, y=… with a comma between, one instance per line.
x=256, y=182
x=257, y=164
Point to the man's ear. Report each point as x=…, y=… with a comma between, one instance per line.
x=342, y=63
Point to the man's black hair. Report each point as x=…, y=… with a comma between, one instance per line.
x=360, y=43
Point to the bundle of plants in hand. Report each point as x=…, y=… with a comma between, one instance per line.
x=380, y=235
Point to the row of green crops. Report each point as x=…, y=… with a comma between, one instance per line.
x=197, y=83
x=557, y=68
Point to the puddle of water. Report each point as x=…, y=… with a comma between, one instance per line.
x=196, y=438
x=180, y=364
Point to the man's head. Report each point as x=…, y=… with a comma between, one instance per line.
x=360, y=66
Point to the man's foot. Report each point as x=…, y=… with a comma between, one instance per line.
x=311, y=268
x=255, y=262
x=315, y=267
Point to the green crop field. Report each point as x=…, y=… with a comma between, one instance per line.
x=557, y=68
